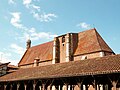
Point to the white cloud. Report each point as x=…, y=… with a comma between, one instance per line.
x=40, y=35
x=27, y=32
x=36, y=7
x=27, y=3
x=34, y=35
x=5, y=57
x=17, y=49
x=35, y=11
x=15, y=20
x=24, y=37
x=31, y=32
x=36, y=0
x=44, y=17
x=11, y=2
x=84, y=25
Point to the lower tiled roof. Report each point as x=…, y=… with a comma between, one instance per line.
x=96, y=66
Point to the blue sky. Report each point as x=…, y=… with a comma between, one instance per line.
x=42, y=20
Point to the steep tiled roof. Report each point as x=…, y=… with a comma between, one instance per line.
x=96, y=66
x=90, y=41
x=43, y=51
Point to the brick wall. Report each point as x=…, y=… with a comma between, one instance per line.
x=45, y=63
x=62, y=49
x=87, y=56
x=40, y=64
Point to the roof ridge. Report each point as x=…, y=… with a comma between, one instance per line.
x=98, y=39
x=100, y=45
x=42, y=44
x=87, y=30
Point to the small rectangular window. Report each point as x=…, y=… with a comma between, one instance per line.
x=63, y=39
x=84, y=57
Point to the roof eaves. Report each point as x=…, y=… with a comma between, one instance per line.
x=22, y=57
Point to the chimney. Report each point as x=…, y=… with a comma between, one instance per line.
x=36, y=61
x=28, y=44
x=55, y=50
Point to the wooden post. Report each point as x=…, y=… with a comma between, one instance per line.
x=43, y=86
x=79, y=85
x=49, y=87
x=18, y=85
x=95, y=85
x=71, y=87
x=79, y=82
x=61, y=86
x=5, y=87
x=98, y=87
x=94, y=82
x=40, y=87
x=114, y=80
x=56, y=87
x=65, y=87
x=25, y=86
x=114, y=85
x=101, y=87
x=34, y=85
x=86, y=87
x=11, y=86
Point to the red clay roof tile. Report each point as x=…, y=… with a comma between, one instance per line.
x=43, y=51
x=90, y=41
x=96, y=66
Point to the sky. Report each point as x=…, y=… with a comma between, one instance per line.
x=42, y=20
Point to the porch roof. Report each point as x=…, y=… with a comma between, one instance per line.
x=95, y=66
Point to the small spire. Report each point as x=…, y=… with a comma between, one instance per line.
x=94, y=26
x=28, y=44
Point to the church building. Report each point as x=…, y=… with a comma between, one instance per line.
x=73, y=61
x=65, y=48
